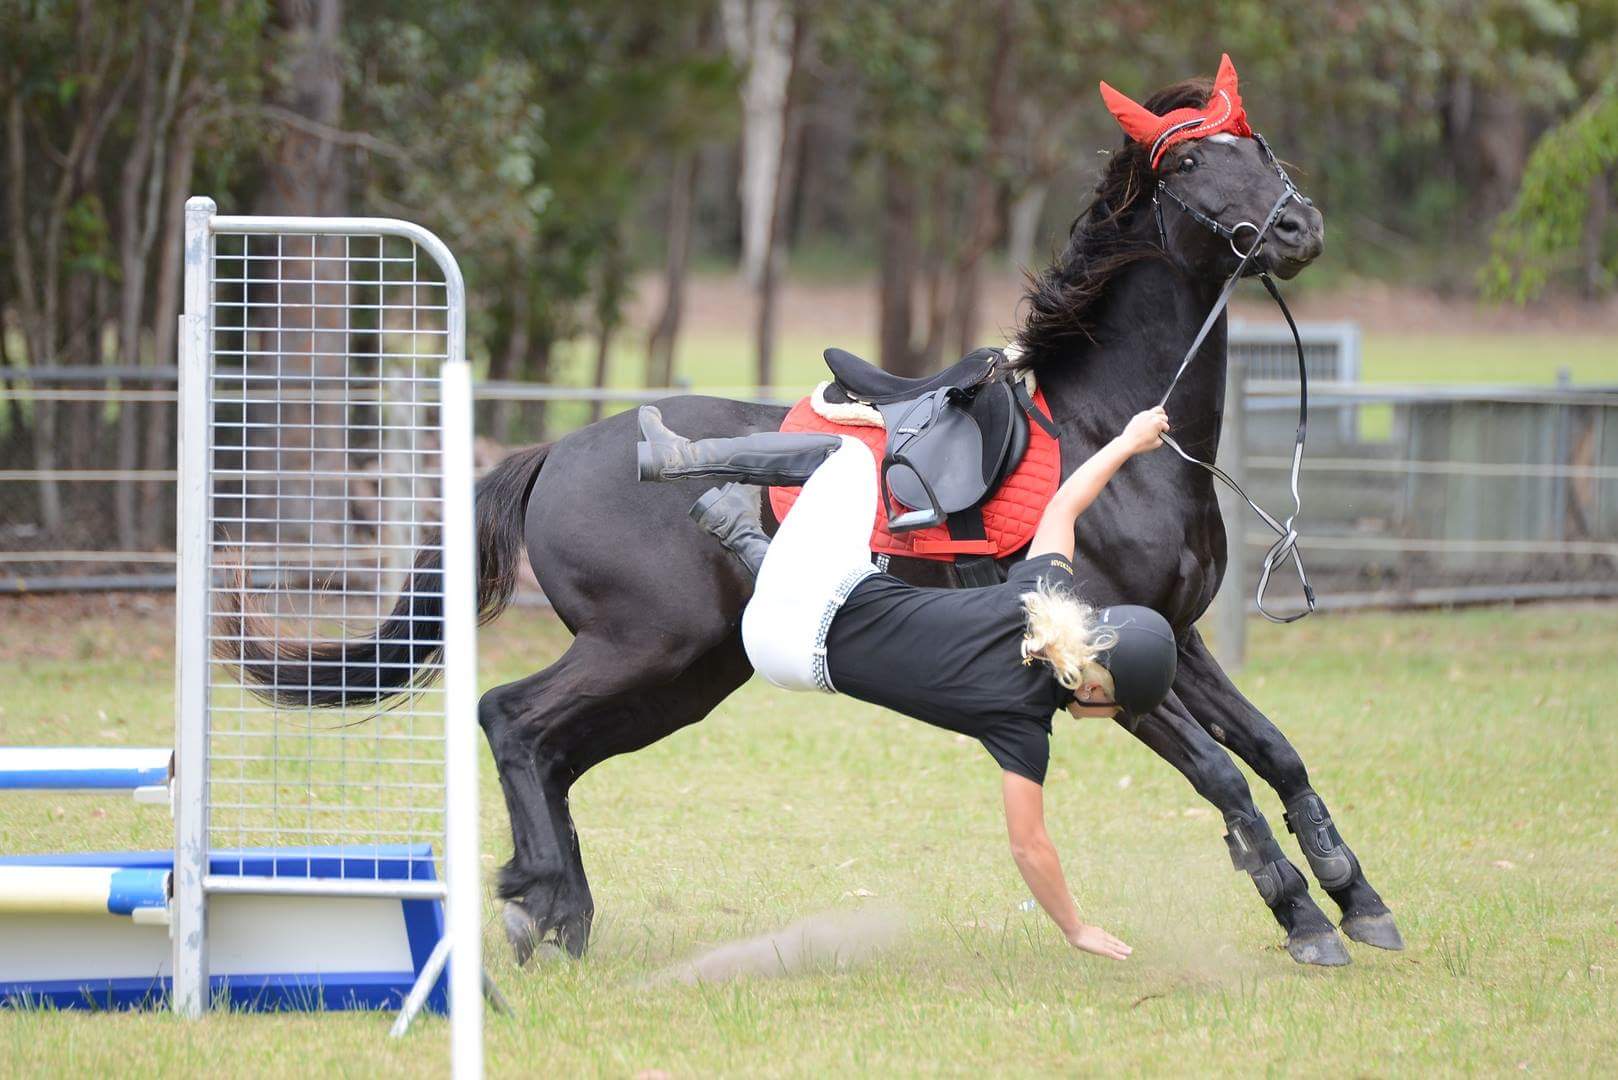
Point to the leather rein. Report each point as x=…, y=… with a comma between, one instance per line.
x=1286, y=544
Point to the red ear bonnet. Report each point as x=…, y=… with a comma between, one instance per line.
x=1223, y=113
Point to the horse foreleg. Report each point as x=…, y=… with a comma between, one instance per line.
x=1234, y=721
x=1174, y=736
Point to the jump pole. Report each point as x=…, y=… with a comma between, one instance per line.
x=143, y=772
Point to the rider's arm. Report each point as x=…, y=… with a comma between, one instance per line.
x=1041, y=868
x=1054, y=536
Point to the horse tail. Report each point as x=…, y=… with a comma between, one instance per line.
x=399, y=655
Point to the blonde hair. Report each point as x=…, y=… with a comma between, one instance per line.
x=1063, y=633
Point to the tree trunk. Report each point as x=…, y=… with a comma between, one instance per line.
x=140, y=214
x=608, y=311
x=36, y=324
x=132, y=255
x=40, y=283
x=897, y=271
x=981, y=216
x=537, y=369
x=506, y=363
x=937, y=262
x=305, y=175
x=82, y=334
x=1026, y=212
x=769, y=283
x=666, y=330
x=761, y=37
x=157, y=513
x=17, y=430
x=1595, y=232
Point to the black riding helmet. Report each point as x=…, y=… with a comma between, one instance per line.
x=1142, y=663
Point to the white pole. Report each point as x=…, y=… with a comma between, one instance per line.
x=190, y=997
x=463, y=867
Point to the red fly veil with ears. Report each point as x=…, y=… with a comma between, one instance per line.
x=1223, y=112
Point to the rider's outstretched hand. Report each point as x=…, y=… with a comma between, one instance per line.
x=1097, y=942
x=1145, y=430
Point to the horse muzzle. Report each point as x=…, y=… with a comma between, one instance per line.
x=1296, y=239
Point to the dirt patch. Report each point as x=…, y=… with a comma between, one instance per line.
x=69, y=626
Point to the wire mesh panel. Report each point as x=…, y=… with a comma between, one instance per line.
x=326, y=608
x=326, y=484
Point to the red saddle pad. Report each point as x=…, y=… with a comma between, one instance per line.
x=1009, y=517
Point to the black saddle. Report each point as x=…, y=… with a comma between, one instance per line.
x=952, y=438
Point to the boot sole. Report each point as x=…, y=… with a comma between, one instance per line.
x=646, y=463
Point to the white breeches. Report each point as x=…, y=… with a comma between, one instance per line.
x=821, y=551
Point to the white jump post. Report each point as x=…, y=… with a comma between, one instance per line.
x=325, y=438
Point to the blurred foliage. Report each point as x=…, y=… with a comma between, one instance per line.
x=1547, y=225
x=536, y=136
x=530, y=131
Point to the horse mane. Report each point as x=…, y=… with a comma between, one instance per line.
x=1064, y=298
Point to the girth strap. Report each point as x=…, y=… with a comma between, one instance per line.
x=973, y=571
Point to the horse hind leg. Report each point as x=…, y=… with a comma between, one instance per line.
x=546, y=892
x=1174, y=736
x=547, y=730
x=1232, y=720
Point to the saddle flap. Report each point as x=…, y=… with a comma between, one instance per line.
x=947, y=449
x=933, y=444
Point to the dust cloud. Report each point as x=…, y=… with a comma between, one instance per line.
x=827, y=941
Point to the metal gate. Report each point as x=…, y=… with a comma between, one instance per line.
x=325, y=476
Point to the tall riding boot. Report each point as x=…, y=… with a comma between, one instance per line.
x=731, y=514
x=766, y=457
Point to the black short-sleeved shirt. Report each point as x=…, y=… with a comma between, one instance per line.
x=953, y=658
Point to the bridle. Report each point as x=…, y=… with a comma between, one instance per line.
x=1286, y=544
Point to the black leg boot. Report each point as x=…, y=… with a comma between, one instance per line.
x=766, y=457
x=731, y=513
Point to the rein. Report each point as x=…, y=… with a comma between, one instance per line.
x=1286, y=544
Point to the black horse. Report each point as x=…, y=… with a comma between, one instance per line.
x=654, y=603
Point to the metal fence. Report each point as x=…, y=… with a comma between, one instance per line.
x=1426, y=496
x=87, y=478
x=1412, y=495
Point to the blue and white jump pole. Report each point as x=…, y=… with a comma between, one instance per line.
x=28, y=768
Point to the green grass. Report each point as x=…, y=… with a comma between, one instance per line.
x=726, y=360
x=1489, y=358
x=1469, y=758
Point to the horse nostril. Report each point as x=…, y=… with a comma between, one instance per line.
x=1289, y=226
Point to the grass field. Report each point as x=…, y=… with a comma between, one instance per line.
x=1469, y=758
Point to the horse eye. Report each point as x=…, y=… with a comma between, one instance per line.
x=1187, y=164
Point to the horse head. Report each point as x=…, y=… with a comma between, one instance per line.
x=1215, y=186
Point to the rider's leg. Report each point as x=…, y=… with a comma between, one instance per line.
x=731, y=514
x=765, y=457
x=821, y=551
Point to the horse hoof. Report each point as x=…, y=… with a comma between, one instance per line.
x=1324, y=949
x=522, y=932
x=1379, y=931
